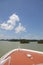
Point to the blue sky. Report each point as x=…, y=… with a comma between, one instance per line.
x=30, y=15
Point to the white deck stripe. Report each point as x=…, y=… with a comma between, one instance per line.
x=3, y=57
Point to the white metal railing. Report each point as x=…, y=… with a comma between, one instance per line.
x=40, y=64
x=2, y=62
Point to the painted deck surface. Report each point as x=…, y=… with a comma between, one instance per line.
x=21, y=57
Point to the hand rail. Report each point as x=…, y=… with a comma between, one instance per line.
x=2, y=62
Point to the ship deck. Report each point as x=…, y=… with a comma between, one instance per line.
x=23, y=57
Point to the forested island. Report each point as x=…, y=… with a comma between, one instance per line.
x=23, y=40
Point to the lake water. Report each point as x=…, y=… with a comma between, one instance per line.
x=6, y=46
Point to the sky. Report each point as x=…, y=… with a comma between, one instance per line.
x=21, y=19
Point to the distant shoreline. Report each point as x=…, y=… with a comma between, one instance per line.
x=23, y=40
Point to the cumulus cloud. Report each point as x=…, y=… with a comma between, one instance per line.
x=20, y=28
x=13, y=19
x=11, y=22
x=7, y=26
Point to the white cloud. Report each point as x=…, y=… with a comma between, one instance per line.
x=13, y=19
x=9, y=25
x=6, y=26
x=20, y=28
